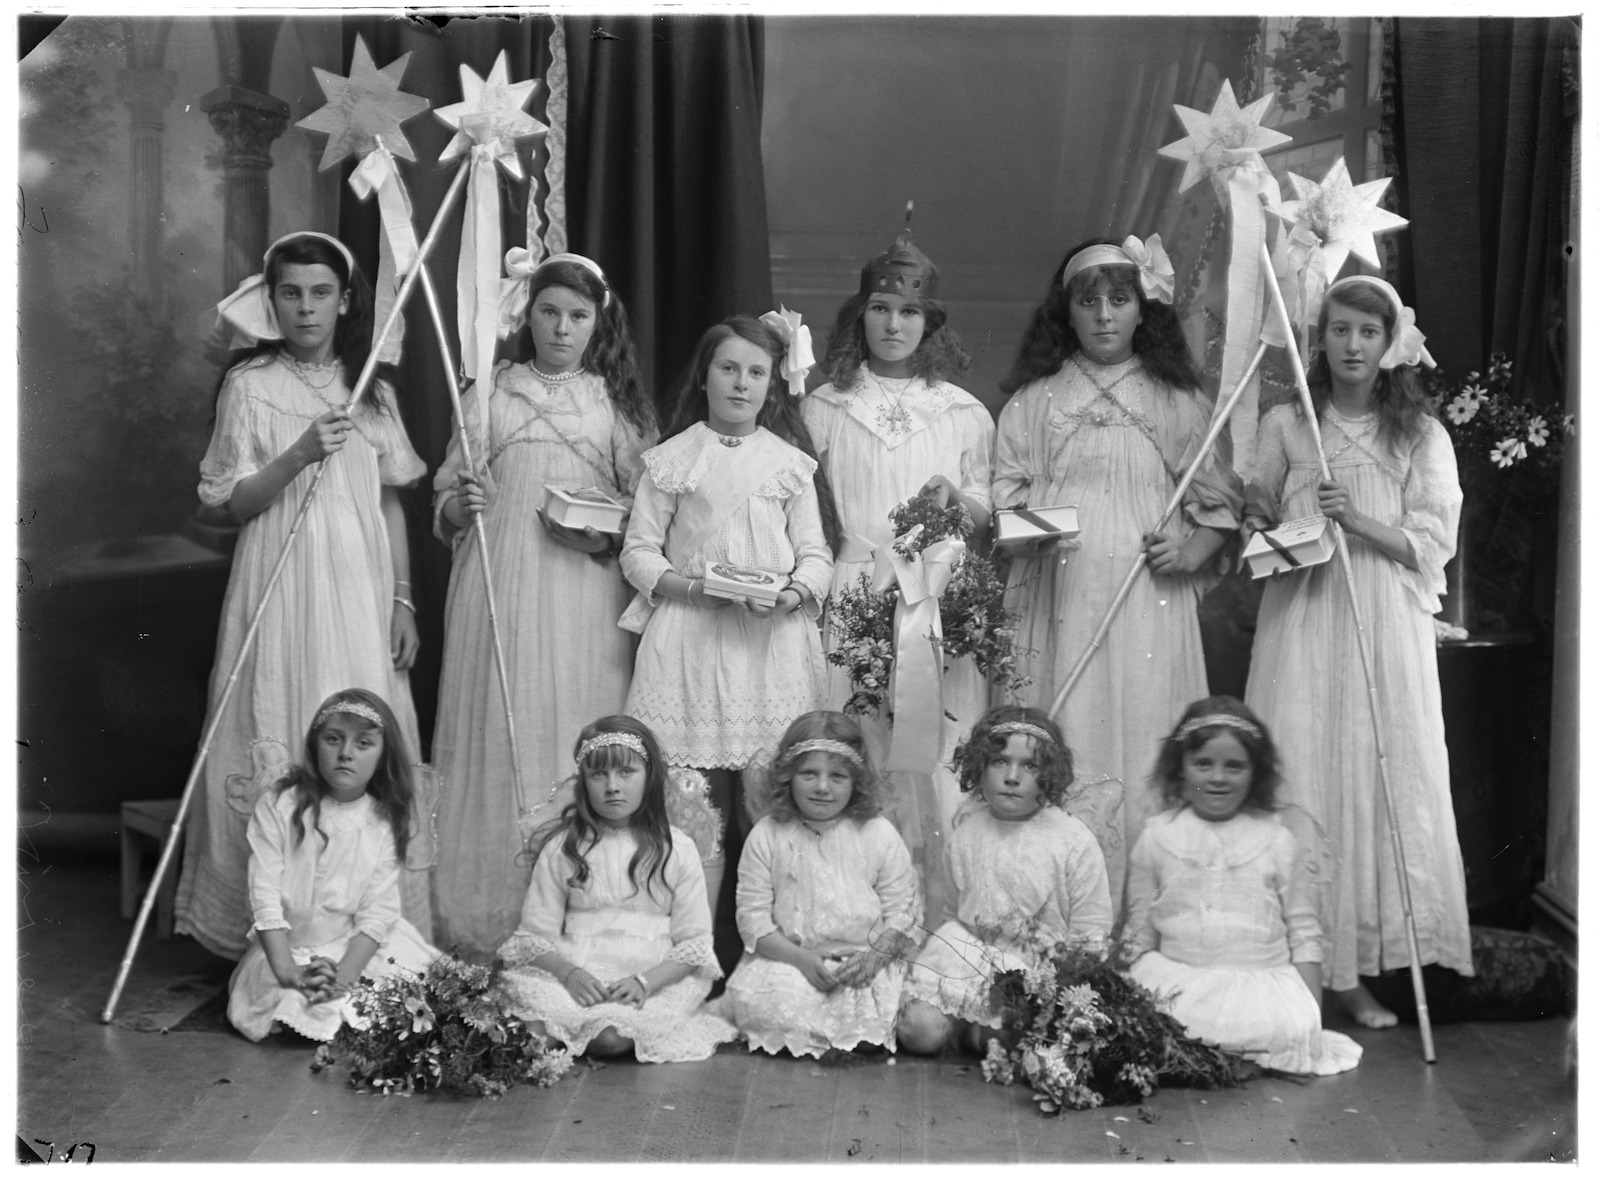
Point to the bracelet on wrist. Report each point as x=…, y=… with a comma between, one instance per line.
x=406, y=604
x=643, y=984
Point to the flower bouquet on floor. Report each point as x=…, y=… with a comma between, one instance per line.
x=1083, y=1034
x=445, y=1028
x=973, y=618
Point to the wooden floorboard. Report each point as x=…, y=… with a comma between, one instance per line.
x=1500, y=1091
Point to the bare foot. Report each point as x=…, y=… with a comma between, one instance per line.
x=1364, y=1008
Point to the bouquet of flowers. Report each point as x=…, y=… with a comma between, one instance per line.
x=1492, y=429
x=1083, y=1034
x=445, y=1028
x=972, y=611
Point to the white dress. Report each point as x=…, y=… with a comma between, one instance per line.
x=845, y=884
x=566, y=660
x=1219, y=914
x=879, y=448
x=1043, y=878
x=1114, y=443
x=614, y=929
x=717, y=686
x=322, y=893
x=1307, y=685
x=325, y=627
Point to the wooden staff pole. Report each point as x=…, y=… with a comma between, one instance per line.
x=1218, y=420
x=164, y=863
x=1384, y=787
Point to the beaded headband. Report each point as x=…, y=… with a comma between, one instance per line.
x=1019, y=728
x=348, y=707
x=1149, y=257
x=612, y=740
x=1406, y=349
x=836, y=747
x=1218, y=719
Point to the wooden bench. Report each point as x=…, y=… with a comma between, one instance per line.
x=148, y=822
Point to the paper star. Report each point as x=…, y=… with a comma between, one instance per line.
x=363, y=106
x=1340, y=215
x=491, y=114
x=1226, y=138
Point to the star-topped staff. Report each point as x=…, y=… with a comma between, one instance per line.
x=1328, y=222
x=488, y=122
x=1224, y=145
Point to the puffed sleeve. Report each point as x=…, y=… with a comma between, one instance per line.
x=644, y=551
x=398, y=463
x=896, y=878
x=1012, y=470
x=1263, y=507
x=691, y=910
x=380, y=900
x=1431, y=502
x=813, y=561
x=1215, y=497
x=544, y=907
x=1139, y=934
x=755, y=896
x=1084, y=892
x=1297, y=897
x=269, y=837
x=977, y=454
x=821, y=418
x=235, y=451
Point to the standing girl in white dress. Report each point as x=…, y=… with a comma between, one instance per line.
x=1395, y=492
x=1023, y=869
x=735, y=483
x=574, y=417
x=326, y=846
x=827, y=900
x=342, y=613
x=1222, y=900
x=613, y=951
x=1107, y=416
x=887, y=427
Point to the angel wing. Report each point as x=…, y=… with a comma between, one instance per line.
x=1316, y=858
x=422, y=849
x=1097, y=803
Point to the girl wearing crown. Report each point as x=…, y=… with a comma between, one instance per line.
x=888, y=426
x=1107, y=415
x=1395, y=492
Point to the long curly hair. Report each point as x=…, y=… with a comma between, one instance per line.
x=939, y=355
x=1265, y=774
x=391, y=785
x=1052, y=758
x=579, y=827
x=1401, y=401
x=610, y=355
x=867, y=795
x=352, y=334
x=1049, y=340
x=779, y=413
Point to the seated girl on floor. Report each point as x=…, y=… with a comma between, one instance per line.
x=1222, y=914
x=326, y=846
x=614, y=948
x=1022, y=868
x=827, y=900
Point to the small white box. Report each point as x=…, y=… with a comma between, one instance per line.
x=1299, y=543
x=1012, y=527
x=733, y=582
x=578, y=509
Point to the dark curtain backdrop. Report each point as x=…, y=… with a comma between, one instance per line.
x=1483, y=123
x=664, y=190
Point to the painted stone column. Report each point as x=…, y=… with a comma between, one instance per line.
x=146, y=91
x=248, y=122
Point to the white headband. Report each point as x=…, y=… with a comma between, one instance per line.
x=1405, y=349
x=1218, y=719
x=347, y=707
x=249, y=310
x=517, y=287
x=1156, y=276
x=612, y=740
x=836, y=747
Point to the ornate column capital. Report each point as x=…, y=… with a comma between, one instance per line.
x=147, y=91
x=248, y=122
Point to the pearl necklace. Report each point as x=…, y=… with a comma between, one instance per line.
x=559, y=379
x=300, y=368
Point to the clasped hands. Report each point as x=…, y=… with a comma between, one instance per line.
x=586, y=989
x=318, y=980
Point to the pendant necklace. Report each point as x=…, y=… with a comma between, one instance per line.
x=893, y=416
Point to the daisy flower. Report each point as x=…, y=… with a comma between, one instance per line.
x=1461, y=410
x=1538, y=431
x=1503, y=454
